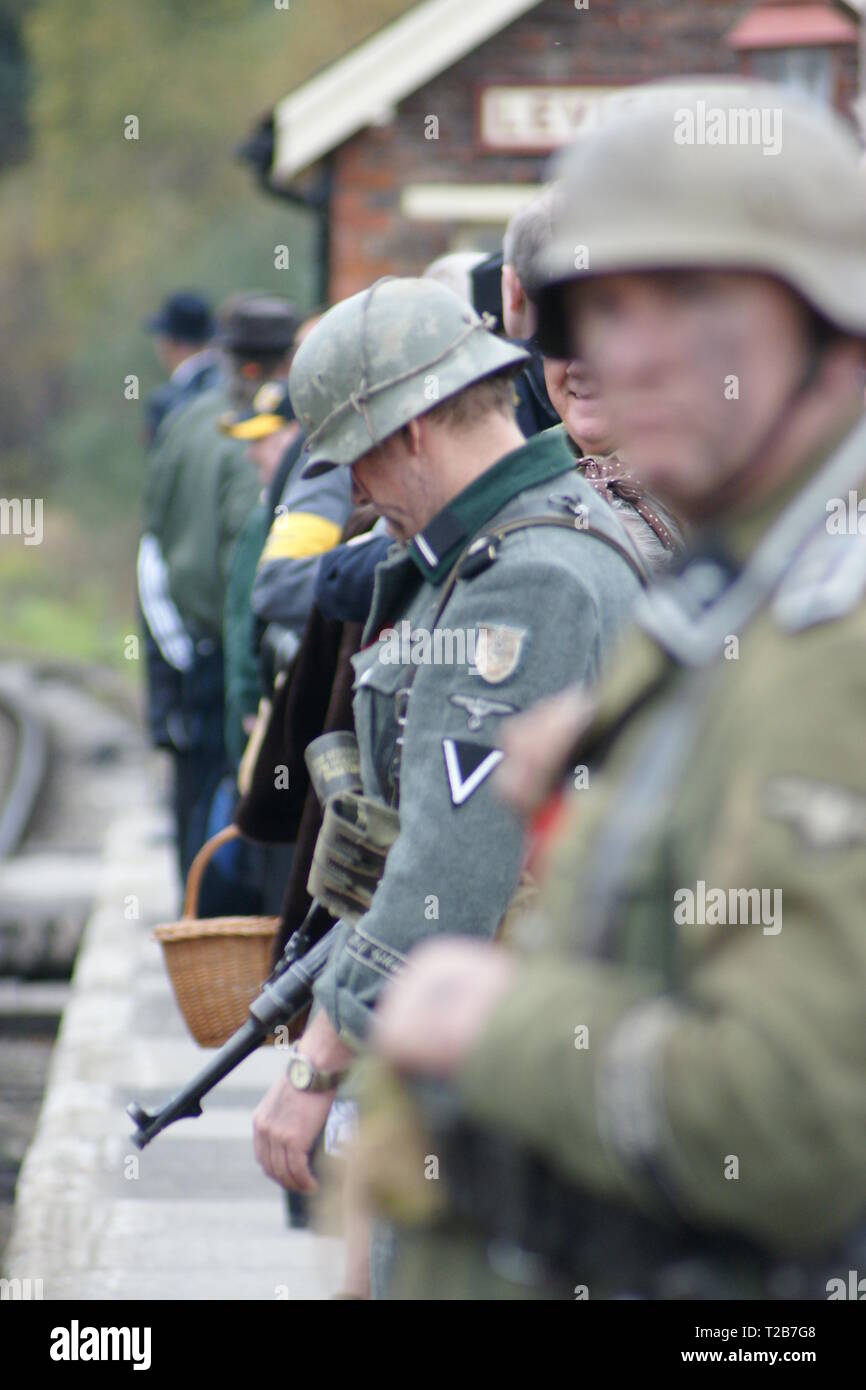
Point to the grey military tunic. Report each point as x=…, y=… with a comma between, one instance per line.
x=541, y=615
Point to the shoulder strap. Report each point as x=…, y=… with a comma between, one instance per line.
x=780, y=552
x=631, y=557
x=487, y=545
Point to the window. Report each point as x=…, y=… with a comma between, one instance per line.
x=809, y=70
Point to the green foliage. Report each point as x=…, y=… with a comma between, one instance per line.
x=56, y=598
x=15, y=81
x=94, y=450
x=96, y=228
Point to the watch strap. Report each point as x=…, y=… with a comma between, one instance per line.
x=321, y=1080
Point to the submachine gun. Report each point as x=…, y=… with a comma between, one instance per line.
x=348, y=863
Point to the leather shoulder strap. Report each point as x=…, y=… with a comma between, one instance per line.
x=487, y=545
x=631, y=557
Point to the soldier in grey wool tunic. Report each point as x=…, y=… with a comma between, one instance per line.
x=510, y=579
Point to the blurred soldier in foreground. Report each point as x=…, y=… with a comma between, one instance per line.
x=510, y=578
x=668, y=1099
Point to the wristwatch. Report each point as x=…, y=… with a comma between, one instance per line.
x=304, y=1076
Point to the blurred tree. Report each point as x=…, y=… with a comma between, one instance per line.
x=95, y=228
x=15, y=83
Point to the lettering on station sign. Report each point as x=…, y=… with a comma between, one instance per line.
x=534, y=119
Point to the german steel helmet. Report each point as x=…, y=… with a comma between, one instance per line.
x=705, y=174
x=383, y=357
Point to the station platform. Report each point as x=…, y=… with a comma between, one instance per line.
x=192, y=1216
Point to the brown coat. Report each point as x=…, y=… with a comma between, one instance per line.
x=315, y=699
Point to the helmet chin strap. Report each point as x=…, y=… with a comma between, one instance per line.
x=731, y=487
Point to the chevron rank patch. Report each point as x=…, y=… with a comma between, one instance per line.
x=824, y=816
x=467, y=766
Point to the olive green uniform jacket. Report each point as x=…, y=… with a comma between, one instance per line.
x=199, y=490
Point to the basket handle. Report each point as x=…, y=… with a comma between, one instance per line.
x=200, y=863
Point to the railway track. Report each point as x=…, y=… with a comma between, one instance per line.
x=70, y=753
x=23, y=766
x=25, y=1041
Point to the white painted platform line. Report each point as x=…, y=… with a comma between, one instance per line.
x=192, y=1217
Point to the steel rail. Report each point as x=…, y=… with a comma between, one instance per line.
x=18, y=800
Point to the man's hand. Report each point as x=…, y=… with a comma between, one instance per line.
x=537, y=744
x=428, y=1019
x=287, y=1123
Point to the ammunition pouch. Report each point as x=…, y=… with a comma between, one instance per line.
x=349, y=859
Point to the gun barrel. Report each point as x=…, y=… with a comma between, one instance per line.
x=279, y=1002
x=186, y=1104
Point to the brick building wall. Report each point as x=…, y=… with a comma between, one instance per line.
x=611, y=43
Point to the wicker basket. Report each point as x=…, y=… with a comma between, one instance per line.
x=217, y=965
